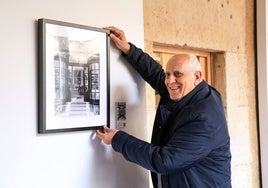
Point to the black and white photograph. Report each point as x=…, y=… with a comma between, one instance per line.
x=73, y=76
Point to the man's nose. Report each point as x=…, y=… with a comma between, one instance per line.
x=171, y=79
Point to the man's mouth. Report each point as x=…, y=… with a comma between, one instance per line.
x=174, y=88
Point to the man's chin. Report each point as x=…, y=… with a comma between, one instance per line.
x=175, y=98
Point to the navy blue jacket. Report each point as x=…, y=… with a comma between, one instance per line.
x=190, y=144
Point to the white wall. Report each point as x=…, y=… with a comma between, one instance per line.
x=262, y=55
x=65, y=160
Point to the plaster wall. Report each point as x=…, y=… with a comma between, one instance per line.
x=64, y=160
x=226, y=28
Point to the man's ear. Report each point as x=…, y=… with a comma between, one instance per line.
x=198, y=77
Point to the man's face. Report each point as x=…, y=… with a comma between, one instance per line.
x=180, y=78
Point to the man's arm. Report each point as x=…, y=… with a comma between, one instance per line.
x=146, y=66
x=183, y=150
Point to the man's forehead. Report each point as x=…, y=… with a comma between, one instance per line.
x=176, y=66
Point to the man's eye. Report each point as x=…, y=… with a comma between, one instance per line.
x=167, y=74
x=177, y=74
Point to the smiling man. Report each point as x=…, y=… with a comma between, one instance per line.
x=190, y=144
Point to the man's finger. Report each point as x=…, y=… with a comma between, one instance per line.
x=106, y=129
x=100, y=134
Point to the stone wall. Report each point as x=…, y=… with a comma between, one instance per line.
x=225, y=28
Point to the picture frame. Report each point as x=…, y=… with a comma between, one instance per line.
x=73, y=77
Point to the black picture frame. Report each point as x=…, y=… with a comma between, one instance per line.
x=73, y=77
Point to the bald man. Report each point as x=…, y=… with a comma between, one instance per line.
x=190, y=144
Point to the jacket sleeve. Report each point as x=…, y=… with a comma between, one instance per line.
x=147, y=67
x=186, y=146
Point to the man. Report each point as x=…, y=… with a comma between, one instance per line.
x=190, y=144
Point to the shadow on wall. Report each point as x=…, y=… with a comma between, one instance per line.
x=112, y=170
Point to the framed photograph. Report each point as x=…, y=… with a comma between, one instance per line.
x=73, y=73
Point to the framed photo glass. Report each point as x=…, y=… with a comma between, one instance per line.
x=73, y=77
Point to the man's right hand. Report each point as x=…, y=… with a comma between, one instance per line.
x=106, y=134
